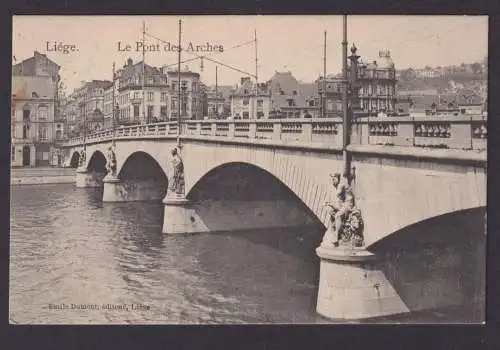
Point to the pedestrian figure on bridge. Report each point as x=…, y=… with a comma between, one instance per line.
x=177, y=185
x=111, y=162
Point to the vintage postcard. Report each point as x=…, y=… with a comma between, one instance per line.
x=248, y=169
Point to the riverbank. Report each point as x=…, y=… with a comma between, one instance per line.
x=39, y=176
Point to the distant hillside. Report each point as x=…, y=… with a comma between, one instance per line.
x=471, y=76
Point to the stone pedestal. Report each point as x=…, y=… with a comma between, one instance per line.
x=352, y=286
x=180, y=216
x=88, y=179
x=111, y=192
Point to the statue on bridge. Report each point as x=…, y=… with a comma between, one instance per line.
x=345, y=224
x=177, y=185
x=111, y=162
x=81, y=159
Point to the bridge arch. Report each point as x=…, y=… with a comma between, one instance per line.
x=74, y=160
x=141, y=165
x=234, y=194
x=97, y=162
x=240, y=180
x=438, y=262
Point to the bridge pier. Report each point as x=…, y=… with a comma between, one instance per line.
x=116, y=190
x=86, y=178
x=353, y=286
x=180, y=216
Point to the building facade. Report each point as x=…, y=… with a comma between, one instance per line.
x=108, y=107
x=135, y=105
x=85, y=105
x=192, y=95
x=291, y=98
x=372, y=88
x=34, y=130
x=37, y=125
x=248, y=102
x=328, y=97
x=216, y=105
x=377, y=83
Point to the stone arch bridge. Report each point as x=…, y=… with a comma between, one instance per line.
x=247, y=175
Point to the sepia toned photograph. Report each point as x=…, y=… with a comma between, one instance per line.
x=248, y=169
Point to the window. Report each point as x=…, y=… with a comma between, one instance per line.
x=136, y=111
x=151, y=96
x=245, y=101
x=246, y=115
x=163, y=110
x=150, y=112
x=174, y=86
x=184, y=106
x=194, y=86
x=260, y=115
x=174, y=103
x=260, y=103
x=42, y=133
x=13, y=154
x=137, y=95
x=43, y=113
x=163, y=96
x=26, y=114
x=25, y=131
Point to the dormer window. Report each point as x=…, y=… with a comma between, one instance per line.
x=34, y=95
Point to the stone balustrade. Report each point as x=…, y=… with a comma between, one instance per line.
x=449, y=131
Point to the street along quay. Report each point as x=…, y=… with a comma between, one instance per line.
x=41, y=175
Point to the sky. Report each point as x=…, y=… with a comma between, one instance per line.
x=284, y=43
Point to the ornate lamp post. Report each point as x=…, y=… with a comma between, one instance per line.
x=343, y=251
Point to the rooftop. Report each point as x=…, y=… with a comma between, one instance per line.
x=27, y=87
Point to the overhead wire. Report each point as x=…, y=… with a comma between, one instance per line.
x=206, y=56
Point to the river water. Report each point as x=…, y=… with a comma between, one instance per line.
x=67, y=247
x=76, y=260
